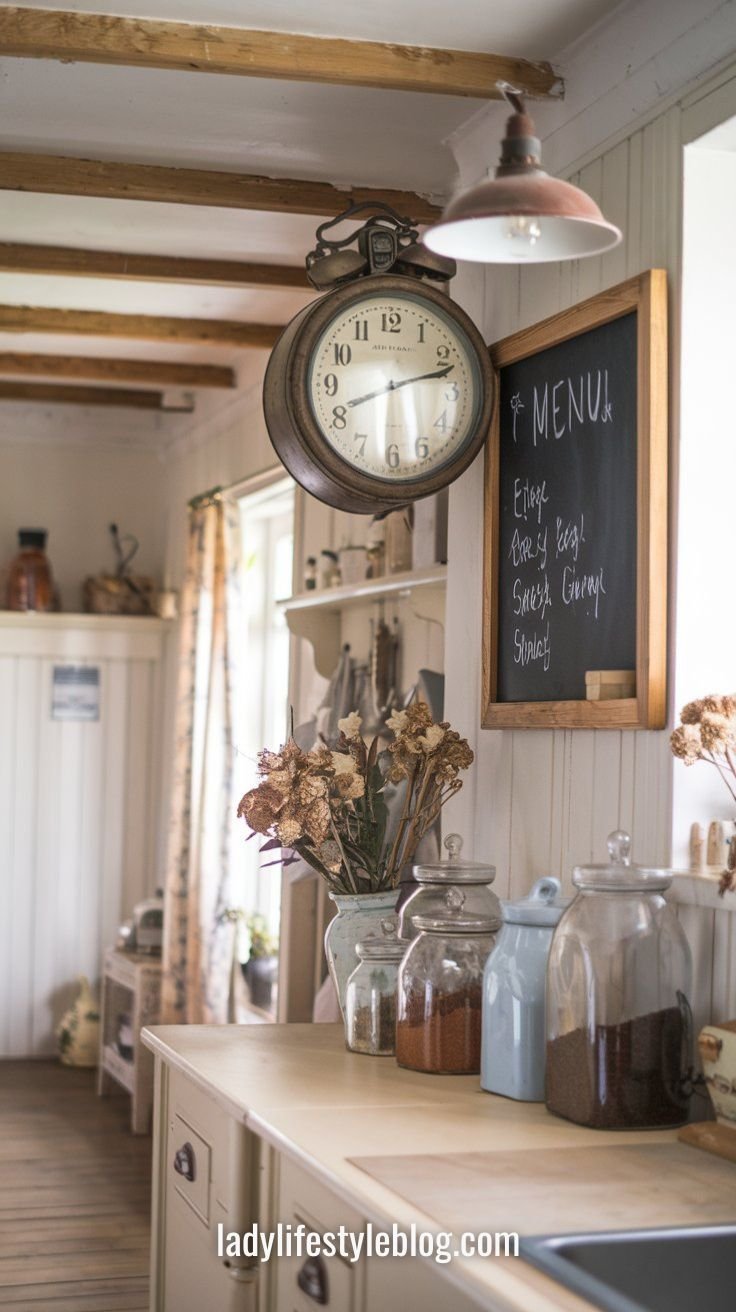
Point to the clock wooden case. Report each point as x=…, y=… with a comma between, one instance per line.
x=378, y=394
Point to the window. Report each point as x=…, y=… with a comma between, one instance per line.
x=260, y=674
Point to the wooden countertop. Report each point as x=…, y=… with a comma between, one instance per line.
x=298, y=1088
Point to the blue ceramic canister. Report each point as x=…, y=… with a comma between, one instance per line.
x=514, y=986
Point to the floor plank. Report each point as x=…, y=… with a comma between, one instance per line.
x=74, y=1195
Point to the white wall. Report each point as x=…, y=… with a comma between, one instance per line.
x=76, y=491
x=705, y=618
x=540, y=802
x=79, y=805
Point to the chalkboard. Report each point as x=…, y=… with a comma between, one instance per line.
x=572, y=548
x=567, y=515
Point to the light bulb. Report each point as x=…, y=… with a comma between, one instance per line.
x=521, y=228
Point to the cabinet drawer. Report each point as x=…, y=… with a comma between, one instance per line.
x=216, y=1184
x=304, y=1283
x=190, y=1159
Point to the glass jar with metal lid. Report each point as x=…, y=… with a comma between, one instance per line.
x=370, y=996
x=619, y=1030
x=472, y=878
x=438, y=1023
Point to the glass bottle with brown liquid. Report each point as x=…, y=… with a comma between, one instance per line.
x=30, y=581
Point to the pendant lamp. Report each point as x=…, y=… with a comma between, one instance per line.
x=522, y=215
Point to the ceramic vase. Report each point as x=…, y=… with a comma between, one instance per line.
x=359, y=915
x=79, y=1029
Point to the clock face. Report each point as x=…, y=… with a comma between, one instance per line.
x=394, y=386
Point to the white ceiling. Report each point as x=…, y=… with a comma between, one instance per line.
x=342, y=135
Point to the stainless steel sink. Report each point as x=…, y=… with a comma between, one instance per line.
x=678, y=1270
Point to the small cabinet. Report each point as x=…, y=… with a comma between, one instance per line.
x=207, y=1175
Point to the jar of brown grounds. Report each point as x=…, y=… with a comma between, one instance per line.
x=619, y=1032
x=438, y=1026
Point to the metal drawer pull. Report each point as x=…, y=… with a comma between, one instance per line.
x=312, y=1280
x=185, y=1163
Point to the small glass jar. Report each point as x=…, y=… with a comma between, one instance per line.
x=472, y=878
x=619, y=1028
x=438, y=1023
x=370, y=997
x=30, y=582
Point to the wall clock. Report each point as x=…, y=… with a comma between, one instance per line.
x=381, y=392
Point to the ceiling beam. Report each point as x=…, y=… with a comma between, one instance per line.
x=17, y=257
x=16, y=365
x=190, y=47
x=62, y=175
x=58, y=393
x=146, y=327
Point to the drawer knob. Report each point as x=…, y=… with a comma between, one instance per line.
x=312, y=1280
x=185, y=1163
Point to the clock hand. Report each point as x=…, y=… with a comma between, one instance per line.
x=403, y=382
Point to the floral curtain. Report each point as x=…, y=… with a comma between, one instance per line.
x=198, y=938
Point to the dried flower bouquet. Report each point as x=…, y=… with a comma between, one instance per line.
x=328, y=806
x=708, y=733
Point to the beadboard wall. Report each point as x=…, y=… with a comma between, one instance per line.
x=78, y=810
x=541, y=801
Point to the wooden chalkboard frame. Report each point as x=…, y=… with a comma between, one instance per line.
x=645, y=294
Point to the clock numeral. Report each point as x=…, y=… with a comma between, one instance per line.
x=331, y=384
x=443, y=354
x=453, y=393
x=361, y=330
x=421, y=448
x=343, y=353
x=339, y=419
x=362, y=438
x=442, y=422
x=422, y=326
x=391, y=323
x=393, y=460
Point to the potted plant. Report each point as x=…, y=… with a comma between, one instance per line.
x=328, y=807
x=707, y=732
x=260, y=971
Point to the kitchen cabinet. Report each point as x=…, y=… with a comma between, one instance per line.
x=285, y=1126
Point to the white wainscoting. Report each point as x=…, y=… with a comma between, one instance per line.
x=539, y=802
x=78, y=810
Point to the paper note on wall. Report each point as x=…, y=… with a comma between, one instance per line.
x=75, y=692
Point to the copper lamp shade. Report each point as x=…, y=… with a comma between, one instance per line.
x=522, y=216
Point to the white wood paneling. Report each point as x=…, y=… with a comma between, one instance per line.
x=77, y=812
x=541, y=802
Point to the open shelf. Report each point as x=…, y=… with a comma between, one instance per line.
x=316, y=616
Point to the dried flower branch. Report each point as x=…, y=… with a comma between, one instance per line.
x=328, y=805
x=707, y=732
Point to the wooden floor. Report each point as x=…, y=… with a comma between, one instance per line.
x=74, y=1194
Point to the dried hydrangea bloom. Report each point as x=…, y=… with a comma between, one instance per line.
x=260, y=807
x=691, y=713
x=431, y=740
x=717, y=733
x=349, y=787
x=350, y=725
x=686, y=744
x=397, y=722
x=717, y=705
x=456, y=755
x=343, y=763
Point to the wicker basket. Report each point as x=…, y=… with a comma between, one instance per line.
x=107, y=594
